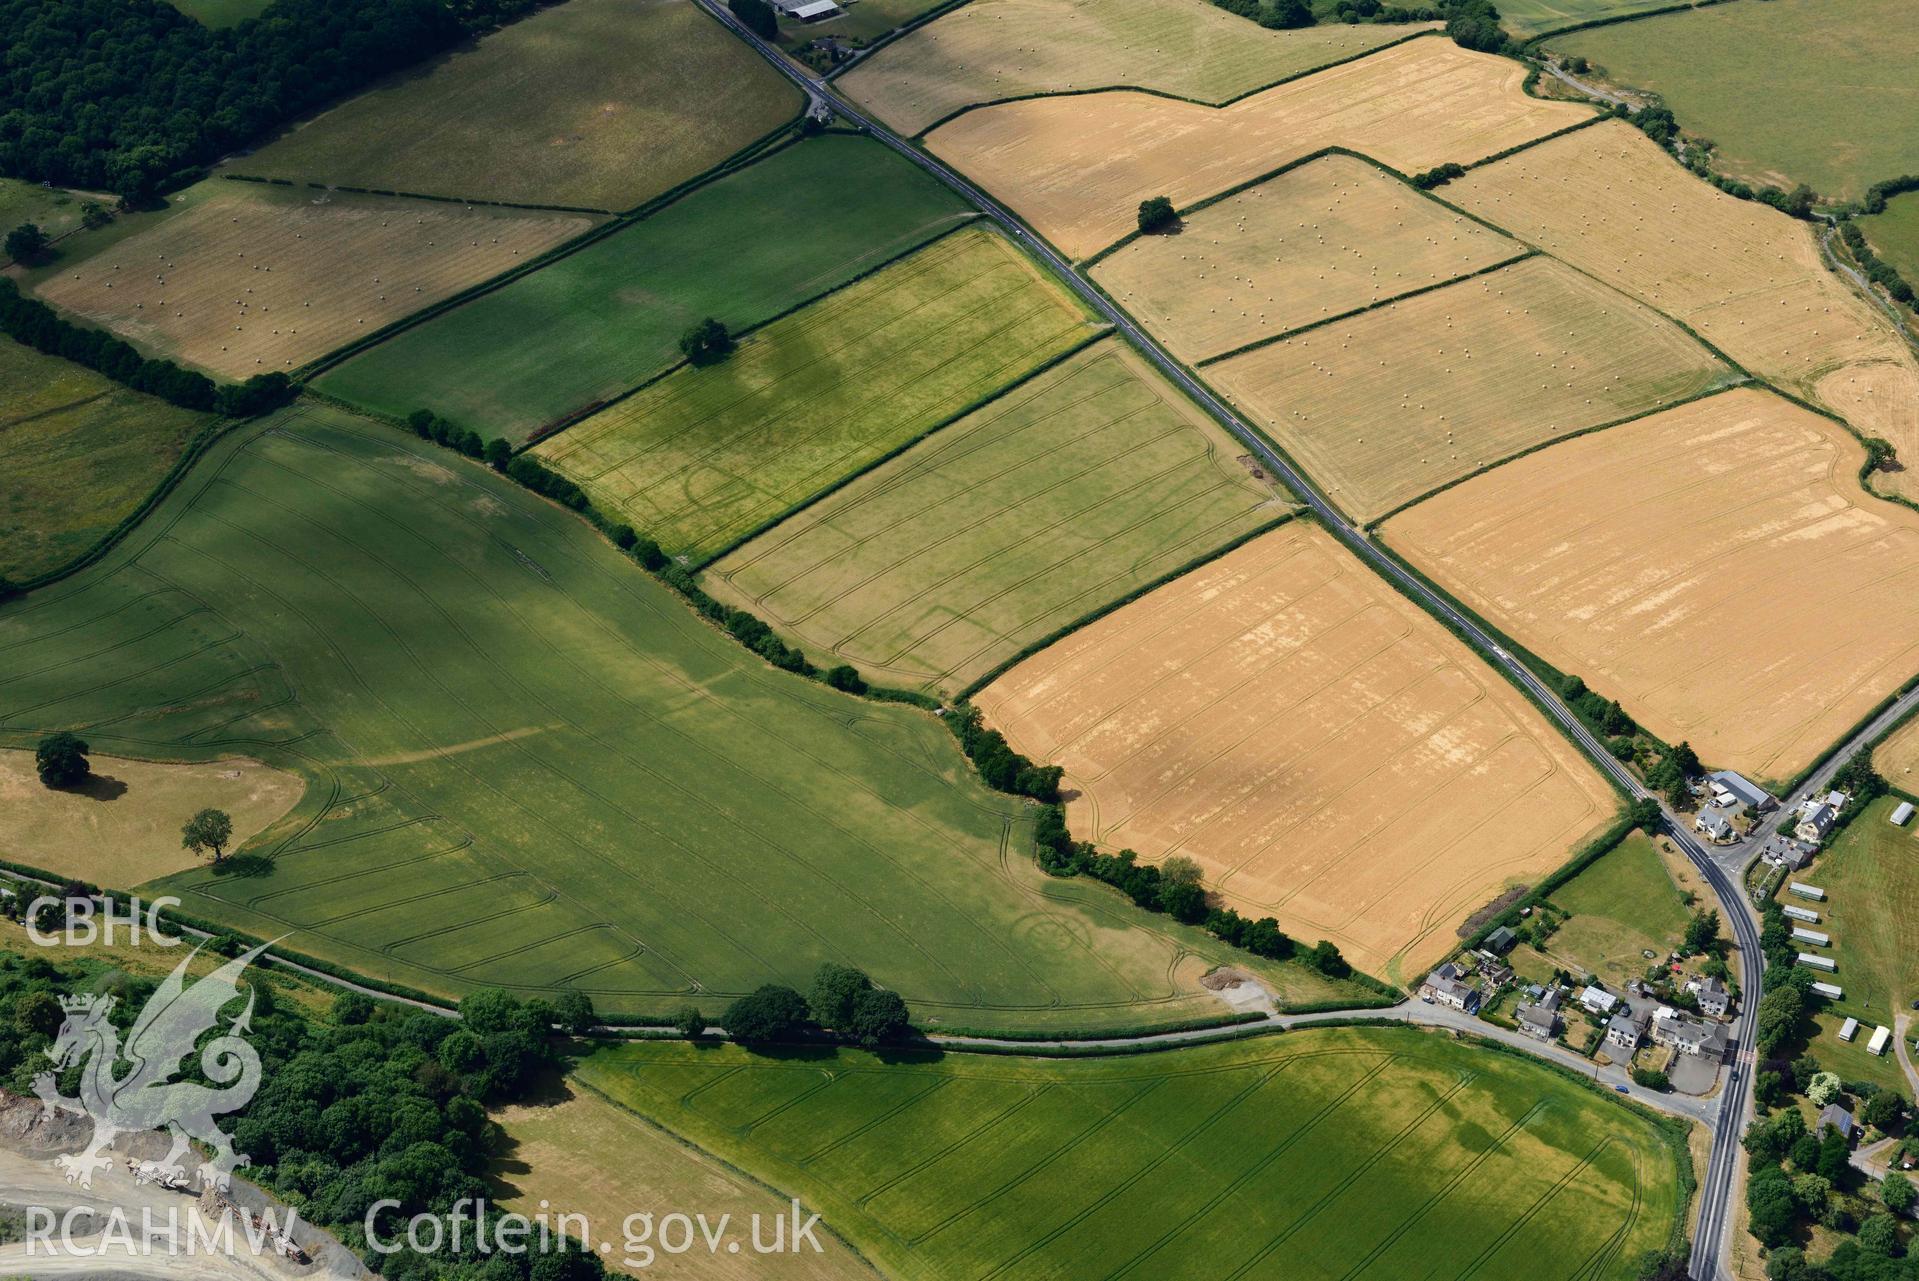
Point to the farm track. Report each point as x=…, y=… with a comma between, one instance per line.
x=1734, y=1101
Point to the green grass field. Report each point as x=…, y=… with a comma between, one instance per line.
x=706, y=456
x=1622, y=906
x=602, y=104
x=1341, y=1153
x=604, y=319
x=532, y=765
x=53, y=210
x=1525, y=18
x=1870, y=873
x=78, y=454
x=1066, y=494
x=221, y=13
x=1894, y=235
x=1838, y=110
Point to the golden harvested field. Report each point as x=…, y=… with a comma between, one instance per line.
x=1748, y=278
x=1395, y=402
x=1898, y=757
x=1324, y=750
x=245, y=278
x=1077, y=167
x=123, y=827
x=1716, y=568
x=991, y=50
x=1067, y=493
x=585, y=1156
x=1329, y=237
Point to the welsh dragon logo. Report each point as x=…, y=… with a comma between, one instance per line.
x=145, y=1096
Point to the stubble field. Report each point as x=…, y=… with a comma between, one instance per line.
x=991, y=50
x=1075, y=488
x=1322, y=749
x=1898, y=757
x=584, y=1155
x=598, y=104
x=1337, y=1153
x=122, y=827
x=1077, y=167
x=599, y=321
x=531, y=765
x=78, y=453
x=1838, y=111
x=1391, y=404
x=243, y=278
x=1749, y=279
x=1716, y=568
x=707, y=455
x=1329, y=237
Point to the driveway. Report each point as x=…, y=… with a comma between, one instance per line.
x=1693, y=1074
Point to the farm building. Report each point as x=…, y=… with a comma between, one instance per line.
x=1735, y=791
x=1802, y=914
x=1849, y=1029
x=1900, y=815
x=1818, y=962
x=1831, y=991
x=1880, y=1036
x=1501, y=940
x=1804, y=890
x=1783, y=851
x=1541, y=1018
x=1805, y=935
x=1715, y=824
x=807, y=10
x=1838, y=1118
x=1597, y=999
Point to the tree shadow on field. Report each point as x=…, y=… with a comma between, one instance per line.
x=244, y=865
x=100, y=787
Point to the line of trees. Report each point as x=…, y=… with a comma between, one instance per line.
x=135, y=97
x=31, y=322
x=1877, y=269
x=842, y=1000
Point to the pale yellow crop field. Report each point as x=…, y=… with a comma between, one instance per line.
x=1081, y=485
x=1898, y=757
x=1716, y=568
x=1076, y=167
x=247, y=278
x=1748, y=278
x=1326, y=238
x=1390, y=404
x=991, y=50
x=1322, y=748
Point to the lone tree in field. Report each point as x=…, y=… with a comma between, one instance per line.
x=208, y=832
x=706, y=343
x=1157, y=215
x=26, y=242
x=62, y=760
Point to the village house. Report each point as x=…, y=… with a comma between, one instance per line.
x=1715, y=824
x=1714, y=997
x=1688, y=1035
x=1540, y=1019
x=1626, y=1030
x=1818, y=816
x=1838, y=1118
x=1783, y=851
x=1444, y=987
